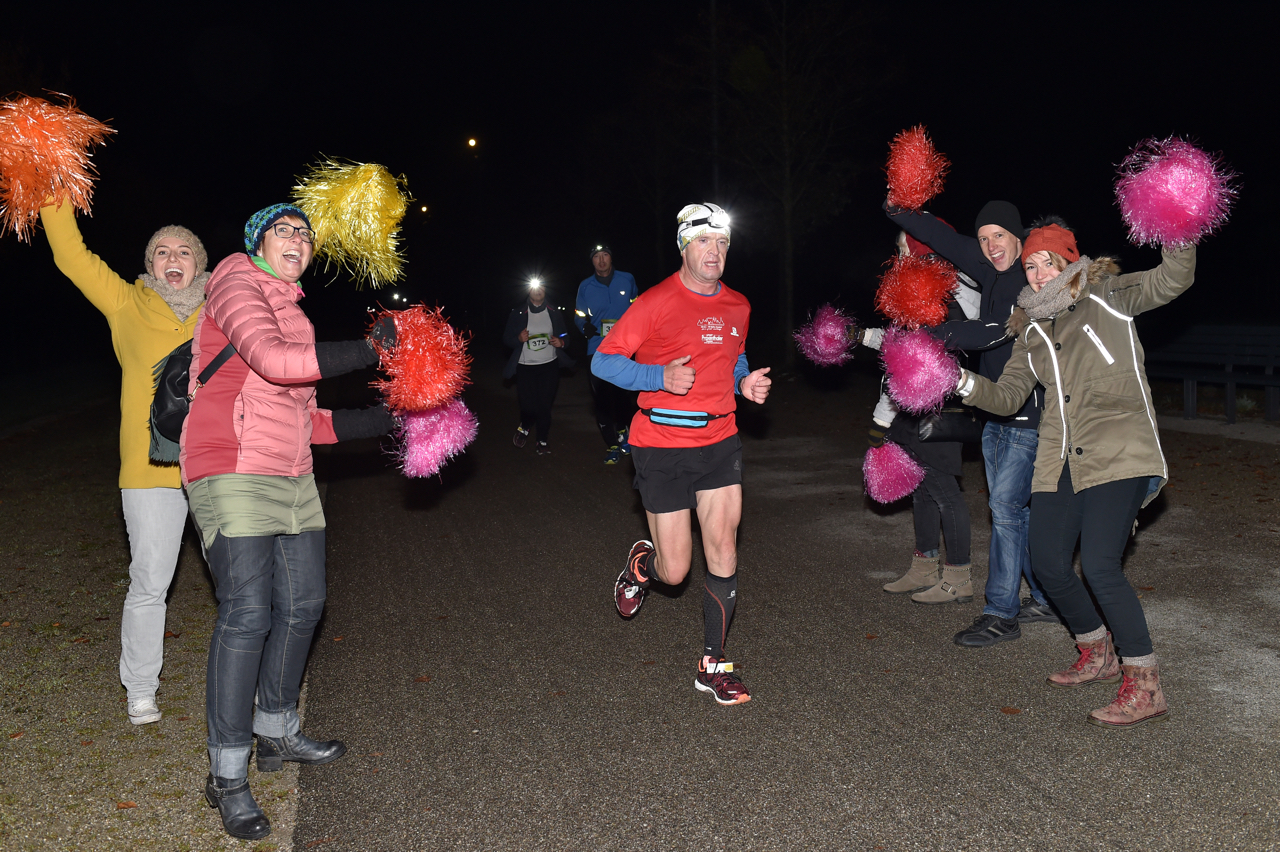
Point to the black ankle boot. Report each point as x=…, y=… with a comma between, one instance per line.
x=241, y=816
x=299, y=748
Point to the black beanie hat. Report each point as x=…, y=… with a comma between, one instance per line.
x=1000, y=213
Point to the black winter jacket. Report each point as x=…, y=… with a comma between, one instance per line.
x=987, y=334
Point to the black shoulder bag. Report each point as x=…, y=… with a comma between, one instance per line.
x=171, y=402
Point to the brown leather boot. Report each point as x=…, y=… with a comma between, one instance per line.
x=923, y=574
x=1140, y=700
x=1098, y=663
x=954, y=588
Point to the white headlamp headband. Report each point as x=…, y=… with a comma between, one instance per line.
x=698, y=219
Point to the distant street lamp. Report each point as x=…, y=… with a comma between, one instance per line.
x=471, y=143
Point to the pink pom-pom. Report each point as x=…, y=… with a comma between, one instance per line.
x=890, y=473
x=915, y=169
x=921, y=372
x=1171, y=193
x=428, y=439
x=825, y=340
x=914, y=291
x=428, y=365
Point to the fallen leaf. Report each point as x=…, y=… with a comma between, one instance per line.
x=86, y=742
x=56, y=624
x=442, y=618
x=6, y=624
x=183, y=718
x=15, y=735
x=101, y=617
x=120, y=806
x=1147, y=588
x=1010, y=711
x=337, y=638
x=649, y=663
x=80, y=640
x=423, y=679
x=169, y=634
x=558, y=692
x=873, y=636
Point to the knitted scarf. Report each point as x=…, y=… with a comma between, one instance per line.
x=1055, y=296
x=184, y=302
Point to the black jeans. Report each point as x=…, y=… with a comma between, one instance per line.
x=937, y=500
x=536, y=388
x=1101, y=519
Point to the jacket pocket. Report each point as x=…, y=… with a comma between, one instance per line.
x=1103, y=401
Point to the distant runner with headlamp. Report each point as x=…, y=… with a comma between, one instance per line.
x=688, y=335
x=602, y=300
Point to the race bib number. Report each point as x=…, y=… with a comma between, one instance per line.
x=605, y=325
x=539, y=341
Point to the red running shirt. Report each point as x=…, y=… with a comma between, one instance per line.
x=669, y=321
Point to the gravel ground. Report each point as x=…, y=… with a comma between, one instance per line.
x=74, y=775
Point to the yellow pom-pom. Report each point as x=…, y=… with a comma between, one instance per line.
x=355, y=210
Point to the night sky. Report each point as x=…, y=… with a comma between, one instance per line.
x=217, y=114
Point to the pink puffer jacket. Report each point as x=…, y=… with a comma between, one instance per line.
x=258, y=413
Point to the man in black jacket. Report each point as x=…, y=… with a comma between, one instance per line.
x=994, y=260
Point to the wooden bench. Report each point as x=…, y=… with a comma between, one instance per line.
x=1227, y=355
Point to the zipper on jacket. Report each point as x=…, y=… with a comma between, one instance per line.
x=1098, y=343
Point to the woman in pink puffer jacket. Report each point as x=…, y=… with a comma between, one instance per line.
x=246, y=464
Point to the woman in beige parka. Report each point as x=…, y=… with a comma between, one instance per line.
x=1099, y=458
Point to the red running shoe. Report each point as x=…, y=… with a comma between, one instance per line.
x=717, y=677
x=628, y=592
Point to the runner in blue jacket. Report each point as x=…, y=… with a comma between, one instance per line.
x=602, y=300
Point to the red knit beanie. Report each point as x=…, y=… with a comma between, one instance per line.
x=1054, y=238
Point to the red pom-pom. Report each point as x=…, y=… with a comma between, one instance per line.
x=915, y=169
x=427, y=366
x=914, y=291
x=44, y=152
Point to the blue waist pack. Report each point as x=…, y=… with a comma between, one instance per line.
x=675, y=417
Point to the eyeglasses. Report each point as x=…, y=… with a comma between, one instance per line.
x=285, y=231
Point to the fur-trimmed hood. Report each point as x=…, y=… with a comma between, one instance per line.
x=1076, y=279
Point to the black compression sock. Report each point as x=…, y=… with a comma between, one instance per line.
x=718, y=598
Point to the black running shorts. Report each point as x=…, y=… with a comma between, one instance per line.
x=669, y=478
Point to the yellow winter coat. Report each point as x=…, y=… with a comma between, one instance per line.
x=144, y=329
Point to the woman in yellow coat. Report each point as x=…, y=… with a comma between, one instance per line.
x=148, y=318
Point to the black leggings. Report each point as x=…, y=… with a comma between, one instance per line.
x=1101, y=519
x=937, y=499
x=614, y=408
x=536, y=387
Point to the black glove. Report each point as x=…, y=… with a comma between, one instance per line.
x=344, y=356
x=588, y=330
x=352, y=423
x=875, y=435
x=383, y=333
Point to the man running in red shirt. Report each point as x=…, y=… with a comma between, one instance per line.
x=688, y=335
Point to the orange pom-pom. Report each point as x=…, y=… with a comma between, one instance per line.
x=44, y=152
x=429, y=363
x=914, y=291
x=915, y=169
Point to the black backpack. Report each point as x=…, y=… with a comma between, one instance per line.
x=171, y=402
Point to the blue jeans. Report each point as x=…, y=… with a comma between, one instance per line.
x=1010, y=456
x=271, y=592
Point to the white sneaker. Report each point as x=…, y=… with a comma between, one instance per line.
x=143, y=711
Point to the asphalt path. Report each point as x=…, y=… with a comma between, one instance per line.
x=492, y=698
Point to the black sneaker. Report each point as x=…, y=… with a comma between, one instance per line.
x=1033, y=611
x=520, y=437
x=987, y=630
